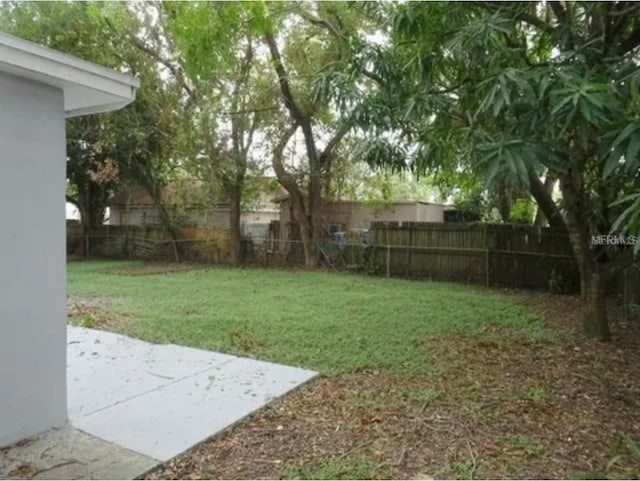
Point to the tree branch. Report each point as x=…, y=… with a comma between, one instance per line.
x=631, y=42
x=319, y=22
x=287, y=180
x=518, y=15
x=248, y=111
x=558, y=11
x=333, y=142
x=249, y=141
x=545, y=202
x=283, y=80
x=175, y=71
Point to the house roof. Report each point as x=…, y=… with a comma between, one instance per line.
x=88, y=88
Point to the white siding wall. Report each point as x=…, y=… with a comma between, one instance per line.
x=32, y=259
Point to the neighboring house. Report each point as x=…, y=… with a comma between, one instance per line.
x=135, y=206
x=356, y=217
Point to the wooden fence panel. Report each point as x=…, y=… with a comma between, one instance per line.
x=494, y=254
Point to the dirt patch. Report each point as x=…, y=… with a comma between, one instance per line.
x=94, y=313
x=150, y=268
x=497, y=405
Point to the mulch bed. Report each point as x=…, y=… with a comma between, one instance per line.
x=496, y=405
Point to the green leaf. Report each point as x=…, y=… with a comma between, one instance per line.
x=631, y=156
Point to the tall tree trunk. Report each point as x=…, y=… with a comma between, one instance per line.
x=592, y=273
x=594, y=302
x=549, y=183
x=303, y=219
x=300, y=213
x=235, y=236
x=92, y=211
x=312, y=251
x=504, y=202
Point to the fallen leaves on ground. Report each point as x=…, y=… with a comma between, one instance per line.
x=497, y=405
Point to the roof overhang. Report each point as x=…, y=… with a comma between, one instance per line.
x=88, y=88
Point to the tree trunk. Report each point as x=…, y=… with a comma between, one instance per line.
x=545, y=203
x=311, y=257
x=306, y=230
x=91, y=215
x=315, y=209
x=594, y=303
x=504, y=202
x=235, y=236
x=592, y=276
x=549, y=183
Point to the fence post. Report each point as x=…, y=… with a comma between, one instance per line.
x=175, y=251
x=388, y=260
x=409, y=251
x=487, y=262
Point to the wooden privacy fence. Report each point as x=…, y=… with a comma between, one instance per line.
x=492, y=254
x=200, y=243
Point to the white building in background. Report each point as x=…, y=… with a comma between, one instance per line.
x=39, y=88
x=72, y=212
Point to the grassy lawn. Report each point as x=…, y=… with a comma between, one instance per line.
x=421, y=380
x=327, y=322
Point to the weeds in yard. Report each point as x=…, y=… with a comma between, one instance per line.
x=367, y=400
x=478, y=412
x=87, y=321
x=464, y=469
x=624, y=464
x=420, y=396
x=594, y=474
x=245, y=341
x=80, y=317
x=535, y=393
x=341, y=468
x=522, y=443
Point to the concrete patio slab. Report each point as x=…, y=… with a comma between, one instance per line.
x=68, y=453
x=133, y=405
x=167, y=421
x=104, y=368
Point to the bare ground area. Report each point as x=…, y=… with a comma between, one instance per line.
x=147, y=268
x=496, y=405
x=94, y=313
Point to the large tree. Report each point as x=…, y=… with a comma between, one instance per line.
x=107, y=151
x=303, y=40
x=514, y=91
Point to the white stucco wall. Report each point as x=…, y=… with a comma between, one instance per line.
x=362, y=215
x=430, y=213
x=32, y=258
